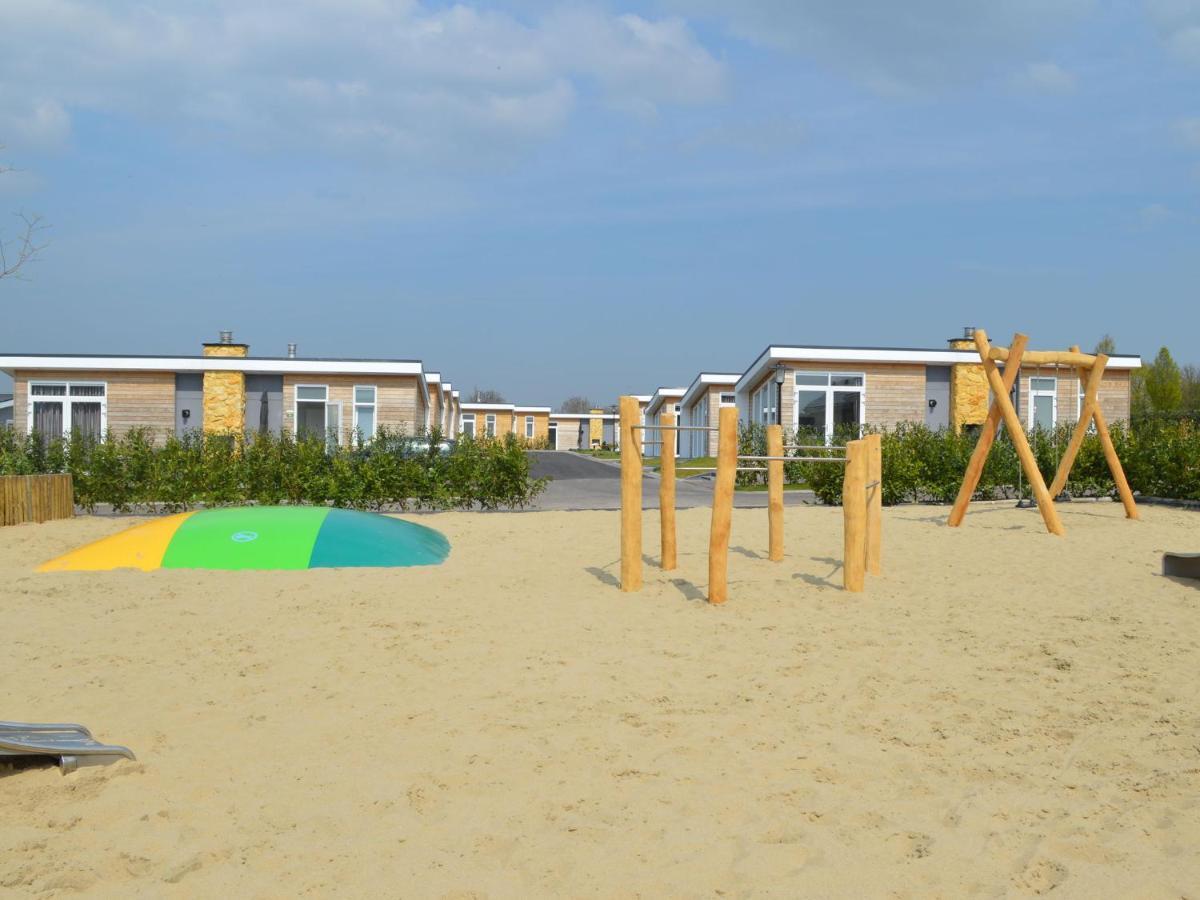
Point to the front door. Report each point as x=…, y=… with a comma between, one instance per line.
x=189, y=402
x=937, y=397
x=552, y=435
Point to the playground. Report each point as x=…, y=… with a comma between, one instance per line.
x=1001, y=711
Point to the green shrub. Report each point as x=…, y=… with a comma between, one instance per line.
x=394, y=470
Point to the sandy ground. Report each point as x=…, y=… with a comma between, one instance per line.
x=1004, y=713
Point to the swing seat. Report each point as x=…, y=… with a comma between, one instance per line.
x=1181, y=565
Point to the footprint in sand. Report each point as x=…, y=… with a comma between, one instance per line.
x=1042, y=876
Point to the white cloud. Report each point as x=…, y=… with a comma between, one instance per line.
x=1178, y=23
x=1155, y=214
x=381, y=76
x=1189, y=131
x=1046, y=78
x=898, y=47
x=38, y=124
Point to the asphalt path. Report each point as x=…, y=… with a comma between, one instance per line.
x=583, y=482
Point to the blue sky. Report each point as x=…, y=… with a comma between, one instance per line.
x=557, y=198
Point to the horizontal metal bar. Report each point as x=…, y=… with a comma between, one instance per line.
x=675, y=428
x=814, y=446
x=833, y=459
x=752, y=468
x=783, y=458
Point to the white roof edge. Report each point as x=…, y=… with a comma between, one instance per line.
x=569, y=415
x=707, y=379
x=210, y=364
x=851, y=355
x=433, y=377
x=662, y=394
x=466, y=404
x=544, y=409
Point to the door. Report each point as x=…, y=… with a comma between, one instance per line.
x=189, y=402
x=264, y=404
x=552, y=435
x=937, y=397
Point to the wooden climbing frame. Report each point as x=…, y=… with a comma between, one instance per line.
x=1091, y=371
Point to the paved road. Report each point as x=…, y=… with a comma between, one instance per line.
x=581, y=482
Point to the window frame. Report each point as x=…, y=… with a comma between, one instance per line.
x=374, y=406
x=66, y=400
x=296, y=401
x=830, y=389
x=1033, y=393
x=464, y=420
x=530, y=428
x=489, y=425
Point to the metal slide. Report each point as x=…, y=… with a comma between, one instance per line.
x=1181, y=565
x=72, y=745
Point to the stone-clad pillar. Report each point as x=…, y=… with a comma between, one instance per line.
x=225, y=392
x=968, y=389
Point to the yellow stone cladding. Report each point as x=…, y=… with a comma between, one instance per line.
x=224, y=402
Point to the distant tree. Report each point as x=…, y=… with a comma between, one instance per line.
x=1106, y=345
x=486, y=395
x=1189, y=378
x=18, y=252
x=1164, y=385
x=576, y=405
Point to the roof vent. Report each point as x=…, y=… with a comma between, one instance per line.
x=969, y=332
x=291, y=351
x=226, y=337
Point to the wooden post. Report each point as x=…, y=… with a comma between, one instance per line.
x=775, y=493
x=1017, y=433
x=854, y=517
x=1086, y=411
x=987, y=434
x=1114, y=465
x=874, y=443
x=666, y=493
x=631, y=497
x=722, y=510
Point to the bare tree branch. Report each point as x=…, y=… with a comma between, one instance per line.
x=22, y=250
x=15, y=254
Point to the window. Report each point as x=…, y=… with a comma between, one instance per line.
x=468, y=425
x=1043, y=403
x=316, y=415
x=701, y=418
x=762, y=403
x=490, y=425
x=728, y=400
x=828, y=402
x=364, y=411
x=63, y=408
x=529, y=427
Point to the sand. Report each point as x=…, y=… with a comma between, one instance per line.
x=1004, y=713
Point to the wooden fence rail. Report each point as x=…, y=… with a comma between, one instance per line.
x=35, y=498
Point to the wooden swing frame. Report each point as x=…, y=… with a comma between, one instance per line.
x=1091, y=371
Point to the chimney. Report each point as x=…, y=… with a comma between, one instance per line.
x=966, y=342
x=225, y=346
x=291, y=351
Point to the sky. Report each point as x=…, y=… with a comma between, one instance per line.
x=550, y=199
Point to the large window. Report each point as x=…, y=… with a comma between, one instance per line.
x=364, y=411
x=63, y=408
x=489, y=424
x=828, y=403
x=468, y=425
x=700, y=417
x=316, y=414
x=529, y=427
x=1043, y=402
x=762, y=403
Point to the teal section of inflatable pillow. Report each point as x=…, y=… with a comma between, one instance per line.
x=351, y=538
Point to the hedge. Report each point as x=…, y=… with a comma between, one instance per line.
x=135, y=471
x=1161, y=459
